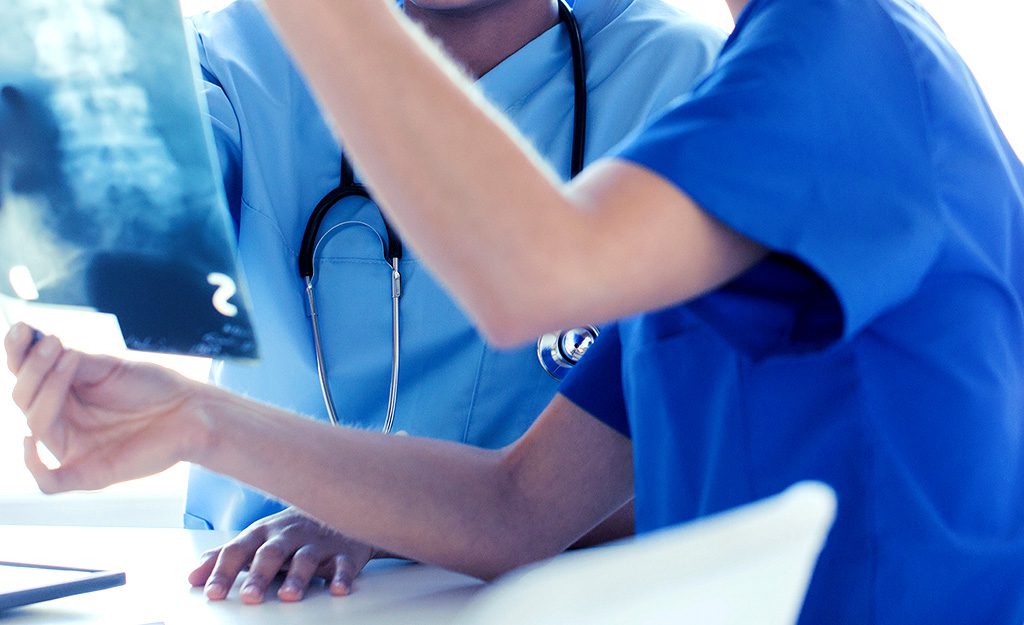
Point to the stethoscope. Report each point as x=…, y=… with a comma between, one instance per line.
x=557, y=352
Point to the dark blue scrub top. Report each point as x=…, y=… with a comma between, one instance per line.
x=879, y=348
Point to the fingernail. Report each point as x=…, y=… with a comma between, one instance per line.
x=339, y=589
x=18, y=331
x=291, y=589
x=46, y=348
x=215, y=590
x=252, y=592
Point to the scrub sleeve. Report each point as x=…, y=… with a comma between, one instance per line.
x=793, y=153
x=227, y=134
x=595, y=384
x=797, y=155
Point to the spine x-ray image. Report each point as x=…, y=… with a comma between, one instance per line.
x=110, y=197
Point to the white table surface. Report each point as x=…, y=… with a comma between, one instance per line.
x=157, y=562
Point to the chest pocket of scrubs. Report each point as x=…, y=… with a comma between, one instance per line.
x=451, y=385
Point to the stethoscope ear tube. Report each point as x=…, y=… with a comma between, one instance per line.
x=316, y=219
x=579, y=77
x=557, y=352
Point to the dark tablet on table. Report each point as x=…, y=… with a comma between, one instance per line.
x=24, y=584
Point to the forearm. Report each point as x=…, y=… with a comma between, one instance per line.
x=446, y=504
x=621, y=524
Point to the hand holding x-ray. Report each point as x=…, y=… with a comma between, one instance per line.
x=105, y=420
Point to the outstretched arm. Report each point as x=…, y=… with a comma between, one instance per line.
x=489, y=217
x=476, y=511
x=473, y=510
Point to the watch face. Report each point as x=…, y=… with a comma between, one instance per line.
x=110, y=197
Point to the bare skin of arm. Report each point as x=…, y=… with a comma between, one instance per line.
x=476, y=511
x=490, y=219
x=477, y=34
x=305, y=548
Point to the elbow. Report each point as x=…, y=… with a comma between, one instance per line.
x=506, y=331
x=519, y=533
x=491, y=574
x=528, y=553
x=517, y=312
x=500, y=316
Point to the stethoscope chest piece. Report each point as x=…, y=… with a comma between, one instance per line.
x=559, y=352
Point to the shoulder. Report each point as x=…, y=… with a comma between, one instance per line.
x=239, y=16
x=821, y=34
x=238, y=35
x=648, y=37
x=652, y=23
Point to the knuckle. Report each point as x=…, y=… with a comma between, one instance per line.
x=233, y=548
x=234, y=553
x=255, y=533
x=20, y=397
x=286, y=532
x=305, y=555
x=272, y=551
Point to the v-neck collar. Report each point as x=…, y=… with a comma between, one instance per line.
x=526, y=70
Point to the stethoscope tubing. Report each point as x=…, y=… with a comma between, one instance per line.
x=580, y=93
x=314, y=319
x=348, y=187
x=396, y=295
x=321, y=368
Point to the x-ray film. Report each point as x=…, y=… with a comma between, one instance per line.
x=110, y=197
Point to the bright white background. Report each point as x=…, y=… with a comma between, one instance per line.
x=985, y=32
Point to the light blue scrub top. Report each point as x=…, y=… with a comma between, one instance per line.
x=879, y=348
x=279, y=159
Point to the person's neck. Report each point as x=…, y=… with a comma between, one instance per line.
x=481, y=38
x=736, y=7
